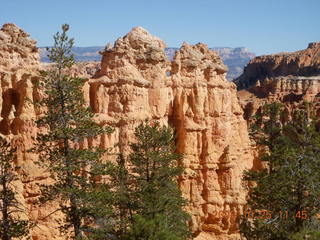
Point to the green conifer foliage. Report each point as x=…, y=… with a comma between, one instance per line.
x=10, y=225
x=84, y=201
x=154, y=199
x=285, y=199
x=121, y=182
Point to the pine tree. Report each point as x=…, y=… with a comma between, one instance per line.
x=121, y=182
x=10, y=225
x=154, y=194
x=286, y=197
x=83, y=199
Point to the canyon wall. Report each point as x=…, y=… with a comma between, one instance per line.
x=300, y=63
x=136, y=81
x=290, y=78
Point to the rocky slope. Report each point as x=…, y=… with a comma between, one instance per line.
x=234, y=58
x=290, y=78
x=137, y=81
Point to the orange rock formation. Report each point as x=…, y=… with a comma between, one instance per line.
x=137, y=81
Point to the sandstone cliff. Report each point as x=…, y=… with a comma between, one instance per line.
x=301, y=63
x=290, y=78
x=137, y=81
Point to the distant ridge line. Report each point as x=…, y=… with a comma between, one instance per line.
x=235, y=58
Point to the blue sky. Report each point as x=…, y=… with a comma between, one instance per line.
x=263, y=26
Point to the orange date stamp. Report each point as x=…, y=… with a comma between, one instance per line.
x=225, y=213
x=261, y=214
x=267, y=214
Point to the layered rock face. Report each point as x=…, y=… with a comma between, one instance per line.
x=290, y=78
x=19, y=65
x=291, y=91
x=301, y=63
x=137, y=81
